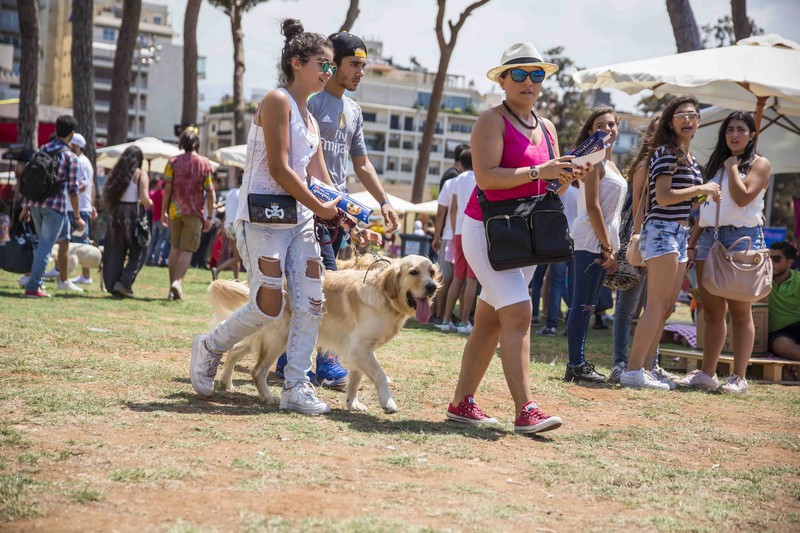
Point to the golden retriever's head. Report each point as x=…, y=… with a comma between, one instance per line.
x=410, y=284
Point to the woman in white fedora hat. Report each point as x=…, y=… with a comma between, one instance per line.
x=511, y=148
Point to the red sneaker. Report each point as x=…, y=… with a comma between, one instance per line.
x=531, y=419
x=468, y=412
x=38, y=293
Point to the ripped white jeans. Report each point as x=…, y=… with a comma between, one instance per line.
x=296, y=250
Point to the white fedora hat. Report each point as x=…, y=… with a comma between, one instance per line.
x=521, y=55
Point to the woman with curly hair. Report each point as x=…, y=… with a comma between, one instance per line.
x=674, y=181
x=126, y=195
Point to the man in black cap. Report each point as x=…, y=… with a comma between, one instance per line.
x=341, y=131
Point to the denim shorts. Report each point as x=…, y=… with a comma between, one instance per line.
x=661, y=237
x=727, y=236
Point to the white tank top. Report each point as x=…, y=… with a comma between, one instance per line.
x=131, y=194
x=257, y=179
x=613, y=189
x=730, y=214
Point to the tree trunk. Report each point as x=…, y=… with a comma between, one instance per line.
x=83, y=73
x=742, y=28
x=445, y=52
x=121, y=77
x=189, y=110
x=239, y=131
x=352, y=15
x=684, y=26
x=28, y=107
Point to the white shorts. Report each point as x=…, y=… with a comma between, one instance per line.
x=499, y=288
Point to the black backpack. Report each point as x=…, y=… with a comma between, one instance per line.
x=40, y=177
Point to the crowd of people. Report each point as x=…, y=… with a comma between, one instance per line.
x=306, y=129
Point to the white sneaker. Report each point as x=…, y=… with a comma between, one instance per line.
x=68, y=286
x=447, y=327
x=466, y=328
x=23, y=281
x=734, y=385
x=203, y=366
x=80, y=280
x=639, y=379
x=50, y=274
x=700, y=380
x=663, y=376
x=176, y=291
x=302, y=398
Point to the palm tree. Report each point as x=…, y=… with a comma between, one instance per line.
x=189, y=108
x=121, y=76
x=684, y=26
x=28, y=117
x=352, y=15
x=445, y=50
x=83, y=73
x=235, y=9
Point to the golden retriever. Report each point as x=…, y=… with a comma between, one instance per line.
x=364, y=309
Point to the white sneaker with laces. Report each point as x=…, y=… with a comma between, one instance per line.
x=702, y=381
x=466, y=328
x=80, y=280
x=203, y=366
x=685, y=380
x=176, y=290
x=50, y=274
x=734, y=385
x=663, y=376
x=447, y=327
x=68, y=286
x=302, y=398
x=639, y=379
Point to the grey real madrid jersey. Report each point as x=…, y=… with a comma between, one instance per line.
x=341, y=132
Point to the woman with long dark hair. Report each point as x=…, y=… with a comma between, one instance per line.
x=596, y=235
x=674, y=180
x=283, y=146
x=126, y=196
x=743, y=178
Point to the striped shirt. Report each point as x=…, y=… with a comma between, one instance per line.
x=664, y=161
x=67, y=178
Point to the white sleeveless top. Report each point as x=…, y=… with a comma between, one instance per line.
x=730, y=214
x=131, y=194
x=613, y=189
x=257, y=179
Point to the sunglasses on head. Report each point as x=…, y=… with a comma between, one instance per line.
x=326, y=66
x=519, y=75
x=687, y=116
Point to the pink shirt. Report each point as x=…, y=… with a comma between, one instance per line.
x=518, y=151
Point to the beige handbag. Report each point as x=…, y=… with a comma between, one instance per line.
x=633, y=255
x=740, y=276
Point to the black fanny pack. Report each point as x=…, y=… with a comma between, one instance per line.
x=272, y=208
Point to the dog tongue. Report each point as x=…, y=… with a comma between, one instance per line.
x=423, y=310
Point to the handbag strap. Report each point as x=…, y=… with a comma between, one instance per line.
x=716, y=221
x=545, y=133
x=638, y=219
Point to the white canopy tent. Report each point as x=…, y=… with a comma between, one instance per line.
x=231, y=156
x=156, y=152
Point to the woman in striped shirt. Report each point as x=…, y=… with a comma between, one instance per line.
x=674, y=180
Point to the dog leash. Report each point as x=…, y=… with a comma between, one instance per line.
x=374, y=250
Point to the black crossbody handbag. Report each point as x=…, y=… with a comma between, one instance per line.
x=526, y=231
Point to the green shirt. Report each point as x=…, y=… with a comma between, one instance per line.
x=784, y=302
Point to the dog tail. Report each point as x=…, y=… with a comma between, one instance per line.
x=226, y=296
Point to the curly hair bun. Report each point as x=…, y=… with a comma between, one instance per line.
x=290, y=28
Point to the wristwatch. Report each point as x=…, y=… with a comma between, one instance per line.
x=533, y=173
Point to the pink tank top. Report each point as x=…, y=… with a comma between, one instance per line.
x=518, y=151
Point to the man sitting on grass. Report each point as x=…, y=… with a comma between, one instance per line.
x=784, y=303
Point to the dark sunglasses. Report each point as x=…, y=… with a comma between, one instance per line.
x=326, y=66
x=776, y=258
x=519, y=75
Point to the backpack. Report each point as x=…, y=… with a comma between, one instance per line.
x=40, y=177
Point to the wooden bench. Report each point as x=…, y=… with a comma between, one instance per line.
x=773, y=366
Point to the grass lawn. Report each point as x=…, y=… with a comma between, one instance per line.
x=101, y=430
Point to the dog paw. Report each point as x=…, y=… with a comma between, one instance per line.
x=390, y=407
x=357, y=406
x=272, y=400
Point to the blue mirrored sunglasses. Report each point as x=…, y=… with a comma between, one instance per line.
x=519, y=75
x=326, y=66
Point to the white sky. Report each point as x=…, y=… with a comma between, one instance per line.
x=594, y=33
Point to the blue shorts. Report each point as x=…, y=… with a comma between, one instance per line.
x=661, y=237
x=727, y=236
